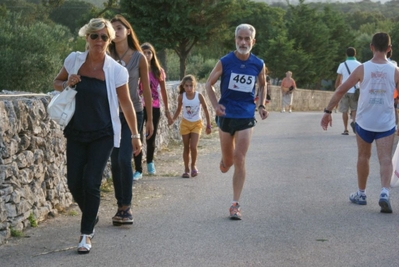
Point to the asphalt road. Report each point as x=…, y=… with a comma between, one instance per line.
x=295, y=207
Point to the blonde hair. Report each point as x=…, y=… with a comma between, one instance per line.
x=95, y=25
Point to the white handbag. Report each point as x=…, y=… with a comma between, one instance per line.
x=62, y=106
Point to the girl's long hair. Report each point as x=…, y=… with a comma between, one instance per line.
x=186, y=78
x=155, y=65
x=132, y=40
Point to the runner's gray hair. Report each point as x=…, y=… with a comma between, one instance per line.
x=246, y=26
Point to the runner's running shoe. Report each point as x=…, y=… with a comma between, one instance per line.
x=235, y=211
x=385, y=203
x=358, y=199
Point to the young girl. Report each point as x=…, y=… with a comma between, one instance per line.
x=191, y=124
x=157, y=78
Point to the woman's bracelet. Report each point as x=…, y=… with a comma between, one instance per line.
x=209, y=126
x=136, y=136
x=261, y=106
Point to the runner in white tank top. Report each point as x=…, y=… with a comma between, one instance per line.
x=375, y=118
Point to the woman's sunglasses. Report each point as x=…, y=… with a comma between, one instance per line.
x=94, y=36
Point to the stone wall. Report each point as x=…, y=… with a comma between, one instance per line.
x=33, y=161
x=303, y=100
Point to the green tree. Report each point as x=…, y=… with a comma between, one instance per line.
x=319, y=36
x=72, y=14
x=179, y=24
x=31, y=55
x=395, y=45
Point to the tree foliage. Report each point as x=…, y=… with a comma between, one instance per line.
x=309, y=39
x=71, y=14
x=31, y=55
x=179, y=24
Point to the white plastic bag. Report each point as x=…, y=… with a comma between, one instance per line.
x=395, y=163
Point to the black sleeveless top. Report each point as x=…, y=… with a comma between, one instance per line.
x=92, y=118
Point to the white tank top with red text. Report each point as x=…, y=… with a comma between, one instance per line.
x=375, y=109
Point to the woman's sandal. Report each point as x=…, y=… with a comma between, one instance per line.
x=346, y=132
x=194, y=173
x=185, y=175
x=123, y=217
x=84, y=245
x=117, y=219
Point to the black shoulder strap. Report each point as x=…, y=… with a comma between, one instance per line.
x=346, y=65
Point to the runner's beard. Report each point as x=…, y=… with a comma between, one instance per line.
x=243, y=51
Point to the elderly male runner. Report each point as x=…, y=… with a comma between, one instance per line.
x=235, y=110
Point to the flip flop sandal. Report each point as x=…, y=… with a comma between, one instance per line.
x=185, y=175
x=194, y=173
x=345, y=132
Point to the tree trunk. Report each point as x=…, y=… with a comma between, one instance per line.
x=162, y=58
x=183, y=60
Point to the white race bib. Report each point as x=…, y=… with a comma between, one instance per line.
x=241, y=82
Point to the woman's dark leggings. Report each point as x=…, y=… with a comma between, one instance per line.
x=156, y=114
x=121, y=163
x=85, y=167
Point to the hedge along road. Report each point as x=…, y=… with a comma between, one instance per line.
x=295, y=207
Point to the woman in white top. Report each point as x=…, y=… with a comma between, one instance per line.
x=101, y=85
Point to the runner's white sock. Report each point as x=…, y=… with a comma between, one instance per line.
x=385, y=190
x=361, y=192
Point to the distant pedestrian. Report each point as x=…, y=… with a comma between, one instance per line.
x=288, y=86
x=375, y=119
x=191, y=124
x=349, y=100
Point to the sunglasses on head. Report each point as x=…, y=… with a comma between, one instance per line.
x=94, y=36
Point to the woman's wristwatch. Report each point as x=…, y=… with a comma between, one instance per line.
x=327, y=111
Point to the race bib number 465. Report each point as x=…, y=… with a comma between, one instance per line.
x=241, y=82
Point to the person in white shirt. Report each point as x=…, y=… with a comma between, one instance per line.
x=348, y=101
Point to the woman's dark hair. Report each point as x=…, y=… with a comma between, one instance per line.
x=132, y=39
x=155, y=66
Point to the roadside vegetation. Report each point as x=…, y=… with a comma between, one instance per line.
x=309, y=39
